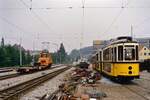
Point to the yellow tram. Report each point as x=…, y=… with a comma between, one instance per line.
x=119, y=60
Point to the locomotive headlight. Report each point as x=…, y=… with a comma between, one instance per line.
x=130, y=67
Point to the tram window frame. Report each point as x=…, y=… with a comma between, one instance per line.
x=120, y=53
x=114, y=54
x=110, y=54
x=115, y=51
x=137, y=54
x=100, y=53
x=97, y=57
x=131, y=50
x=106, y=54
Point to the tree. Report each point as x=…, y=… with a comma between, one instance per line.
x=10, y=55
x=2, y=56
x=28, y=58
x=54, y=57
x=62, y=53
x=2, y=42
x=75, y=55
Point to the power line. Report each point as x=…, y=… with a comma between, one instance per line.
x=36, y=15
x=70, y=7
x=12, y=24
x=116, y=18
x=23, y=3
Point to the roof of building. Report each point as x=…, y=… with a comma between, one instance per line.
x=142, y=46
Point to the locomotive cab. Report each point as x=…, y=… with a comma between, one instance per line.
x=45, y=59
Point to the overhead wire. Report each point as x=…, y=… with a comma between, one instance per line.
x=37, y=16
x=12, y=24
x=23, y=3
x=83, y=3
x=116, y=18
x=71, y=7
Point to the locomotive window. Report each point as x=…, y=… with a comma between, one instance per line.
x=120, y=52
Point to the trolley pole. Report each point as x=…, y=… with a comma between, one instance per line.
x=132, y=31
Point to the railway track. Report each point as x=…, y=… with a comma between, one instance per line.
x=9, y=76
x=148, y=79
x=13, y=91
x=17, y=74
x=5, y=70
x=138, y=90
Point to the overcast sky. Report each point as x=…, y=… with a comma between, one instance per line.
x=65, y=21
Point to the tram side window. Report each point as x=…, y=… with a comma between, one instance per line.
x=106, y=54
x=100, y=55
x=120, y=52
x=129, y=54
x=137, y=54
x=110, y=54
x=96, y=57
x=114, y=54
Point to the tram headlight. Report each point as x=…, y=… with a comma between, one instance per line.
x=130, y=67
x=130, y=72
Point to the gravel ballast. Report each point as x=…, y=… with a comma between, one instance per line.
x=17, y=80
x=45, y=88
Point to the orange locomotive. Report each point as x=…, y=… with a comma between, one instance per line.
x=45, y=60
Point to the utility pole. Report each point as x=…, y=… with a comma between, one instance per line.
x=33, y=53
x=82, y=28
x=20, y=52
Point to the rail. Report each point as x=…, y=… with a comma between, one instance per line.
x=17, y=74
x=10, y=92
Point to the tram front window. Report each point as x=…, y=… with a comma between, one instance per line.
x=129, y=53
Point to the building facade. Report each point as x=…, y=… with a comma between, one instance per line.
x=144, y=53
